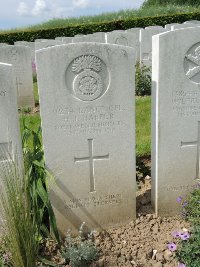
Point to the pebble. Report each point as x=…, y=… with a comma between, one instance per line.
x=167, y=255
x=158, y=264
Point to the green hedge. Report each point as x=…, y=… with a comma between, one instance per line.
x=31, y=35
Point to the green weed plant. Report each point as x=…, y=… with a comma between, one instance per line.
x=38, y=181
x=79, y=251
x=189, y=252
x=142, y=80
x=20, y=228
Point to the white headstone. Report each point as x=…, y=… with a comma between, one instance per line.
x=96, y=37
x=169, y=26
x=121, y=38
x=46, y=44
x=183, y=26
x=192, y=21
x=20, y=58
x=10, y=139
x=154, y=27
x=134, y=30
x=87, y=110
x=146, y=44
x=67, y=40
x=118, y=31
x=176, y=117
x=3, y=44
x=42, y=40
x=59, y=38
x=124, y=38
x=31, y=45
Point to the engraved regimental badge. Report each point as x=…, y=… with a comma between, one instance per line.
x=192, y=63
x=89, y=77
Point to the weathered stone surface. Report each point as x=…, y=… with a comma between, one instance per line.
x=98, y=37
x=42, y=40
x=192, y=21
x=146, y=43
x=183, y=26
x=124, y=38
x=10, y=139
x=3, y=44
x=20, y=58
x=88, y=132
x=31, y=45
x=169, y=26
x=176, y=117
x=67, y=40
x=155, y=27
x=59, y=38
x=46, y=44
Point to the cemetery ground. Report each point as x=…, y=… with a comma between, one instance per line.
x=148, y=241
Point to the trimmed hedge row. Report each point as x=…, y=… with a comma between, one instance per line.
x=31, y=35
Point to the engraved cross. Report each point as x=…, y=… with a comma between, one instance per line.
x=197, y=144
x=18, y=83
x=91, y=158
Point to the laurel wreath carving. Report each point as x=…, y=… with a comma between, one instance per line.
x=86, y=62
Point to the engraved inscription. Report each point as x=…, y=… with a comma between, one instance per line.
x=197, y=144
x=192, y=63
x=91, y=159
x=2, y=93
x=90, y=119
x=13, y=54
x=186, y=103
x=179, y=188
x=94, y=201
x=87, y=78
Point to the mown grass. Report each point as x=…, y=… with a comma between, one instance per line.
x=36, y=96
x=143, y=124
x=122, y=14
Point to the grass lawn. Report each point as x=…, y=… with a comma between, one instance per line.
x=143, y=126
x=143, y=123
x=36, y=96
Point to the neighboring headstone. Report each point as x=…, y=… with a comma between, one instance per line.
x=146, y=44
x=20, y=58
x=96, y=37
x=87, y=110
x=67, y=40
x=155, y=27
x=3, y=44
x=42, y=40
x=121, y=38
x=192, y=21
x=10, y=139
x=183, y=26
x=124, y=38
x=31, y=45
x=134, y=30
x=169, y=26
x=59, y=38
x=176, y=117
x=118, y=31
x=46, y=44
